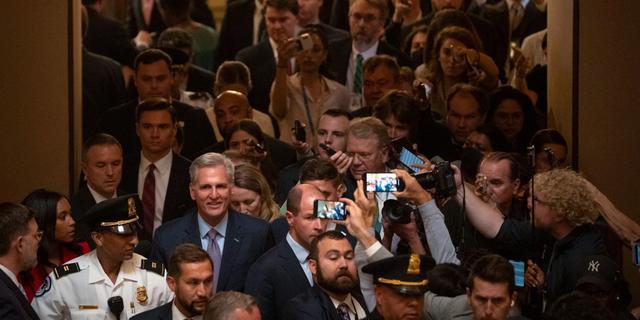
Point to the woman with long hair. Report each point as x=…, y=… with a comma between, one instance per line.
x=305, y=95
x=251, y=194
x=53, y=214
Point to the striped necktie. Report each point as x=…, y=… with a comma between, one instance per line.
x=357, y=75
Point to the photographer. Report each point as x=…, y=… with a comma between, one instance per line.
x=564, y=208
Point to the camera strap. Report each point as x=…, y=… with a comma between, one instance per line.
x=306, y=108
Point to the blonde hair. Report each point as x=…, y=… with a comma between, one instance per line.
x=566, y=193
x=249, y=177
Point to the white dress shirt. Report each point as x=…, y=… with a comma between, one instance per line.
x=176, y=314
x=355, y=309
x=161, y=174
x=352, y=62
x=98, y=197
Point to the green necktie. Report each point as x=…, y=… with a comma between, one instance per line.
x=357, y=76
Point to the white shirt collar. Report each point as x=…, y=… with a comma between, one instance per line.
x=354, y=307
x=221, y=227
x=10, y=274
x=97, y=274
x=301, y=253
x=176, y=314
x=367, y=53
x=98, y=197
x=163, y=165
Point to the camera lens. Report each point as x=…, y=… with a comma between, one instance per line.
x=396, y=212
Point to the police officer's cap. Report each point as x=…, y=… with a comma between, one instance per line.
x=407, y=274
x=119, y=215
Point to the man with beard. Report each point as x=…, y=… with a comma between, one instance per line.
x=19, y=240
x=335, y=294
x=190, y=277
x=89, y=286
x=284, y=272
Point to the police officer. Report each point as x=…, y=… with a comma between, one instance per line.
x=401, y=282
x=110, y=282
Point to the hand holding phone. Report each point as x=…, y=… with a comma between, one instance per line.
x=408, y=159
x=383, y=182
x=298, y=131
x=330, y=210
x=327, y=149
x=304, y=42
x=518, y=271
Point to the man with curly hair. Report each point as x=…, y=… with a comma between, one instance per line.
x=563, y=209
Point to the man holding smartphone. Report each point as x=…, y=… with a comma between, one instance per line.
x=283, y=272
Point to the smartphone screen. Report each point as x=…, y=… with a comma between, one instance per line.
x=381, y=182
x=408, y=158
x=636, y=254
x=331, y=210
x=518, y=270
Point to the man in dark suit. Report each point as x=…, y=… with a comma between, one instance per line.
x=239, y=29
x=153, y=79
x=144, y=22
x=515, y=27
x=366, y=20
x=309, y=13
x=190, y=277
x=233, y=240
x=157, y=174
x=281, y=20
x=106, y=36
x=19, y=240
x=283, y=272
x=335, y=294
x=101, y=164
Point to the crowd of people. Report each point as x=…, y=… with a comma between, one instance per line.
x=208, y=155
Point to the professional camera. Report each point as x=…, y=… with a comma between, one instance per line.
x=441, y=179
x=396, y=211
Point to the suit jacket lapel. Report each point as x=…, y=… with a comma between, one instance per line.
x=292, y=266
x=19, y=295
x=191, y=231
x=170, y=198
x=232, y=243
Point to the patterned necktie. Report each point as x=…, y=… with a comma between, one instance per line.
x=343, y=311
x=149, y=203
x=214, y=252
x=357, y=75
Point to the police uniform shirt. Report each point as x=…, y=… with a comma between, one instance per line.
x=82, y=293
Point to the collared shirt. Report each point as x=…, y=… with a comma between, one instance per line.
x=98, y=197
x=274, y=49
x=161, y=174
x=332, y=95
x=257, y=18
x=355, y=309
x=13, y=278
x=176, y=314
x=302, y=255
x=221, y=229
x=352, y=62
x=84, y=294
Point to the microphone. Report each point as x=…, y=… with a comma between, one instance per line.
x=116, y=305
x=143, y=248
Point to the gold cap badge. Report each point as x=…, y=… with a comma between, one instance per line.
x=132, y=207
x=414, y=264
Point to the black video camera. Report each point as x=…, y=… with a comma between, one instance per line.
x=395, y=211
x=441, y=179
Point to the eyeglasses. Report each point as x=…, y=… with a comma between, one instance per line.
x=363, y=156
x=368, y=18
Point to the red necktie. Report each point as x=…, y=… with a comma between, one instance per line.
x=149, y=203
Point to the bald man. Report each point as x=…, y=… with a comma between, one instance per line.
x=232, y=106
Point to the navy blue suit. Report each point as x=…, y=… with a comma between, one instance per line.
x=315, y=304
x=275, y=279
x=162, y=312
x=246, y=239
x=13, y=304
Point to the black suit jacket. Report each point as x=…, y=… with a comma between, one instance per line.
x=102, y=89
x=246, y=239
x=120, y=123
x=135, y=20
x=109, y=38
x=236, y=32
x=315, y=304
x=533, y=21
x=262, y=63
x=177, y=200
x=275, y=279
x=13, y=303
x=341, y=53
x=81, y=202
x=162, y=312
x=200, y=79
